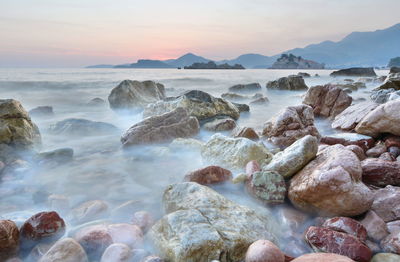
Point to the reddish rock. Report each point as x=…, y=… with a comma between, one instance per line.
x=246, y=132
x=327, y=100
x=44, y=226
x=386, y=203
x=392, y=140
x=143, y=220
x=252, y=167
x=380, y=172
x=264, y=251
x=391, y=243
x=322, y=257
x=376, y=151
x=347, y=225
x=329, y=241
x=209, y=175
x=357, y=150
x=387, y=156
x=375, y=226
x=9, y=239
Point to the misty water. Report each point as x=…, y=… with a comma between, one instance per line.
x=101, y=169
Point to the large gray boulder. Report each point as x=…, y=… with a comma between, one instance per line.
x=202, y=225
x=16, y=127
x=199, y=104
x=355, y=71
x=292, y=82
x=234, y=152
x=161, y=129
x=130, y=94
x=295, y=157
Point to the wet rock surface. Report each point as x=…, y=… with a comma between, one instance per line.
x=322, y=257
x=163, y=128
x=245, y=87
x=224, y=124
x=264, y=251
x=246, y=132
x=292, y=123
x=292, y=82
x=209, y=175
x=379, y=172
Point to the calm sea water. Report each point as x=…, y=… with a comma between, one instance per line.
x=100, y=169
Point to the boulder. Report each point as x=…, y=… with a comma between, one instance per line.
x=246, y=132
x=220, y=124
x=234, y=152
x=355, y=71
x=260, y=101
x=347, y=225
x=43, y=226
x=391, y=82
x=161, y=129
x=394, y=70
x=117, y=253
x=16, y=127
x=97, y=102
x=322, y=257
x=381, y=96
x=327, y=100
x=347, y=139
x=264, y=251
x=375, y=226
x=295, y=157
x=143, y=220
x=329, y=241
x=9, y=239
x=383, y=119
x=209, y=175
x=241, y=107
x=130, y=94
x=377, y=150
x=331, y=184
x=385, y=257
x=65, y=250
x=292, y=123
x=380, y=172
x=202, y=225
x=245, y=87
x=292, y=82
x=303, y=74
x=41, y=111
x=386, y=203
x=199, y=104
x=391, y=243
x=267, y=186
x=351, y=116
x=82, y=127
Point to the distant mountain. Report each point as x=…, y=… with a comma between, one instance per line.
x=295, y=62
x=252, y=60
x=145, y=63
x=357, y=49
x=100, y=66
x=186, y=60
x=213, y=65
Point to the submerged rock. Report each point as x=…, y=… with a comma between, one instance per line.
x=220, y=124
x=9, y=239
x=82, y=127
x=130, y=94
x=327, y=100
x=355, y=71
x=209, y=175
x=161, y=129
x=331, y=184
x=295, y=157
x=383, y=119
x=90, y=210
x=97, y=102
x=41, y=111
x=202, y=225
x=199, y=104
x=234, y=152
x=267, y=186
x=16, y=127
x=245, y=87
x=292, y=82
x=65, y=250
x=246, y=132
x=351, y=116
x=293, y=123
x=61, y=155
x=241, y=107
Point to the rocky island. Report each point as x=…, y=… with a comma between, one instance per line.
x=290, y=61
x=213, y=65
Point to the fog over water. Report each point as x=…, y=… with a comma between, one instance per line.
x=101, y=169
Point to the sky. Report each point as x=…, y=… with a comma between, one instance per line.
x=75, y=33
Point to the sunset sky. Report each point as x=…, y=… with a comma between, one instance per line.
x=71, y=33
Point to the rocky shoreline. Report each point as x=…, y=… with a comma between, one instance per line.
x=317, y=197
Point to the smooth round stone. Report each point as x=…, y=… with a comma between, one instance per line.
x=264, y=251
x=385, y=257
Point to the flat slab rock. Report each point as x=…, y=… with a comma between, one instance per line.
x=346, y=139
x=202, y=225
x=380, y=172
x=351, y=116
x=163, y=128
